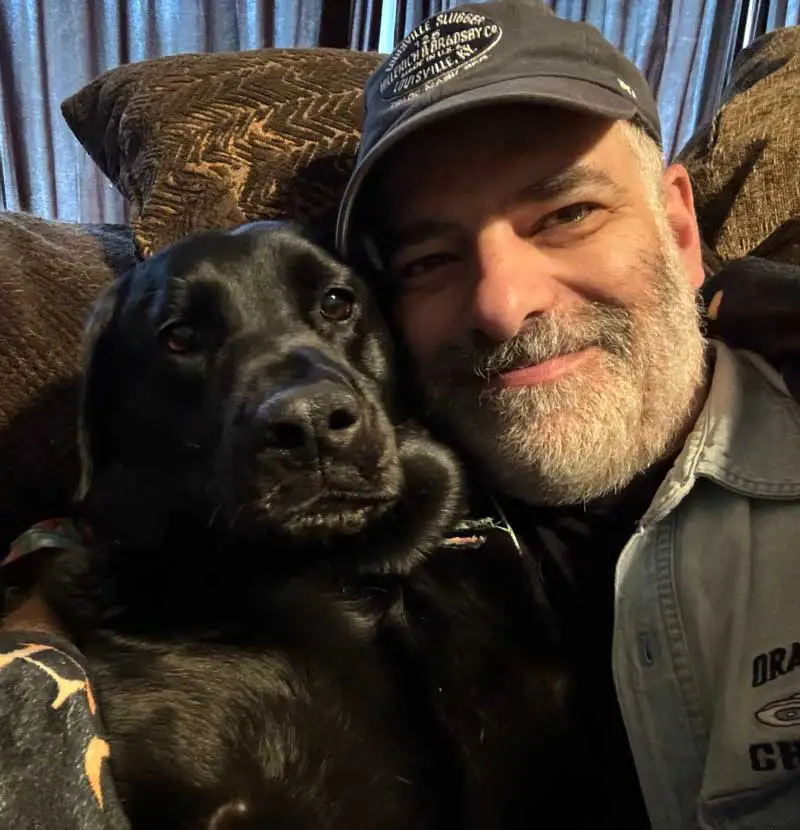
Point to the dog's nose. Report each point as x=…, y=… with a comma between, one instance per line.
x=323, y=416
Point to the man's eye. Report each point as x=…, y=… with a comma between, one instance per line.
x=569, y=215
x=421, y=266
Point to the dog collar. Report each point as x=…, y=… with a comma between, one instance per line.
x=473, y=532
x=64, y=534
x=55, y=534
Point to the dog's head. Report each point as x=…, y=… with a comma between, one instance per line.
x=244, y=378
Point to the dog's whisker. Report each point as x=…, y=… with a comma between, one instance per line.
x=235, y=516
x=214, y=514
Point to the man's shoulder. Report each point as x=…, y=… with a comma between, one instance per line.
x=748, y=438
x=741, y=514
x=738, y=476
x=736, y=581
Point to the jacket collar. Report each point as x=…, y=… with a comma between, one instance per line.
x=747, y=438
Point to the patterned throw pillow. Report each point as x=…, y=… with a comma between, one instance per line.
x=201, y=141
x=744, y=163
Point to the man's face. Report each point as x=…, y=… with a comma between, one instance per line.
x=547, y=294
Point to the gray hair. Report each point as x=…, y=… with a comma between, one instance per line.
x=649, y=158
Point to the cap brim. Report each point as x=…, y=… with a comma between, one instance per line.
x=568, y=93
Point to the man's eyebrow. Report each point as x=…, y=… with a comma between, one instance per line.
x=573, y=179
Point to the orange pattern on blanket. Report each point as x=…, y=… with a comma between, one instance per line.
x=97, y=749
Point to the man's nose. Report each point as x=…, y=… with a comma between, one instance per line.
x=513, y=283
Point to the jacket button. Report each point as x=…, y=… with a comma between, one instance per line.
x=646, y=650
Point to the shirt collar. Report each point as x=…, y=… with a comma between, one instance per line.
x=746, y=439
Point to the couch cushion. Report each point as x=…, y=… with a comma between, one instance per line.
x=50, y=273
x=202, y=141
x=744, y=163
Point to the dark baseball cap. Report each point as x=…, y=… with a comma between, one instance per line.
x=485, y=53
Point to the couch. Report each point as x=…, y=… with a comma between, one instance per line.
x=202, y=141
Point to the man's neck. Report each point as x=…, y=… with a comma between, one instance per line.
x=698, y=403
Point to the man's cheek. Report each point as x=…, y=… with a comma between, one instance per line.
x=421, y=338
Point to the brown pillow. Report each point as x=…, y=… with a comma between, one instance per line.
x=50, y=273
x=201, y=141
x=744, y=163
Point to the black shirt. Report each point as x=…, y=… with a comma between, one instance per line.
x=577, y=550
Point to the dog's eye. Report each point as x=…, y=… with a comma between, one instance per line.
x=181, y=339
x=337, y=305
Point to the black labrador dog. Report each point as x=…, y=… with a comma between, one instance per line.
x=277, y=633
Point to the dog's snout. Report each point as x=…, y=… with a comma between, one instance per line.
x=315, y=418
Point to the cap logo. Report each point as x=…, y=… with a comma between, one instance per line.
x=626, y=88
x=436, y=51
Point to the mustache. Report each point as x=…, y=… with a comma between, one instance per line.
x=545, y=337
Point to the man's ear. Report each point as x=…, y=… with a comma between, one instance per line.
x=679, y=201
x=98, y=386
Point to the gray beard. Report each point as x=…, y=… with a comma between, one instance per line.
x=588, y=434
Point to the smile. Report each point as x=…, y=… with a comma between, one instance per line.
x=546, y=371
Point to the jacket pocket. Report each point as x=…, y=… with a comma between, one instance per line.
x=774, y=806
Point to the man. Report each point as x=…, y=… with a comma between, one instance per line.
x=544, y=268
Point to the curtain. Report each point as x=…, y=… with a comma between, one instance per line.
x=765, y=15
x=49, y=50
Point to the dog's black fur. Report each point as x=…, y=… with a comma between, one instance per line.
x=274, y=638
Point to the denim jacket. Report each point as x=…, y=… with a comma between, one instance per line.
x=707, y=627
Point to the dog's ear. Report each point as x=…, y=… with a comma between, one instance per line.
x=98, y=385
